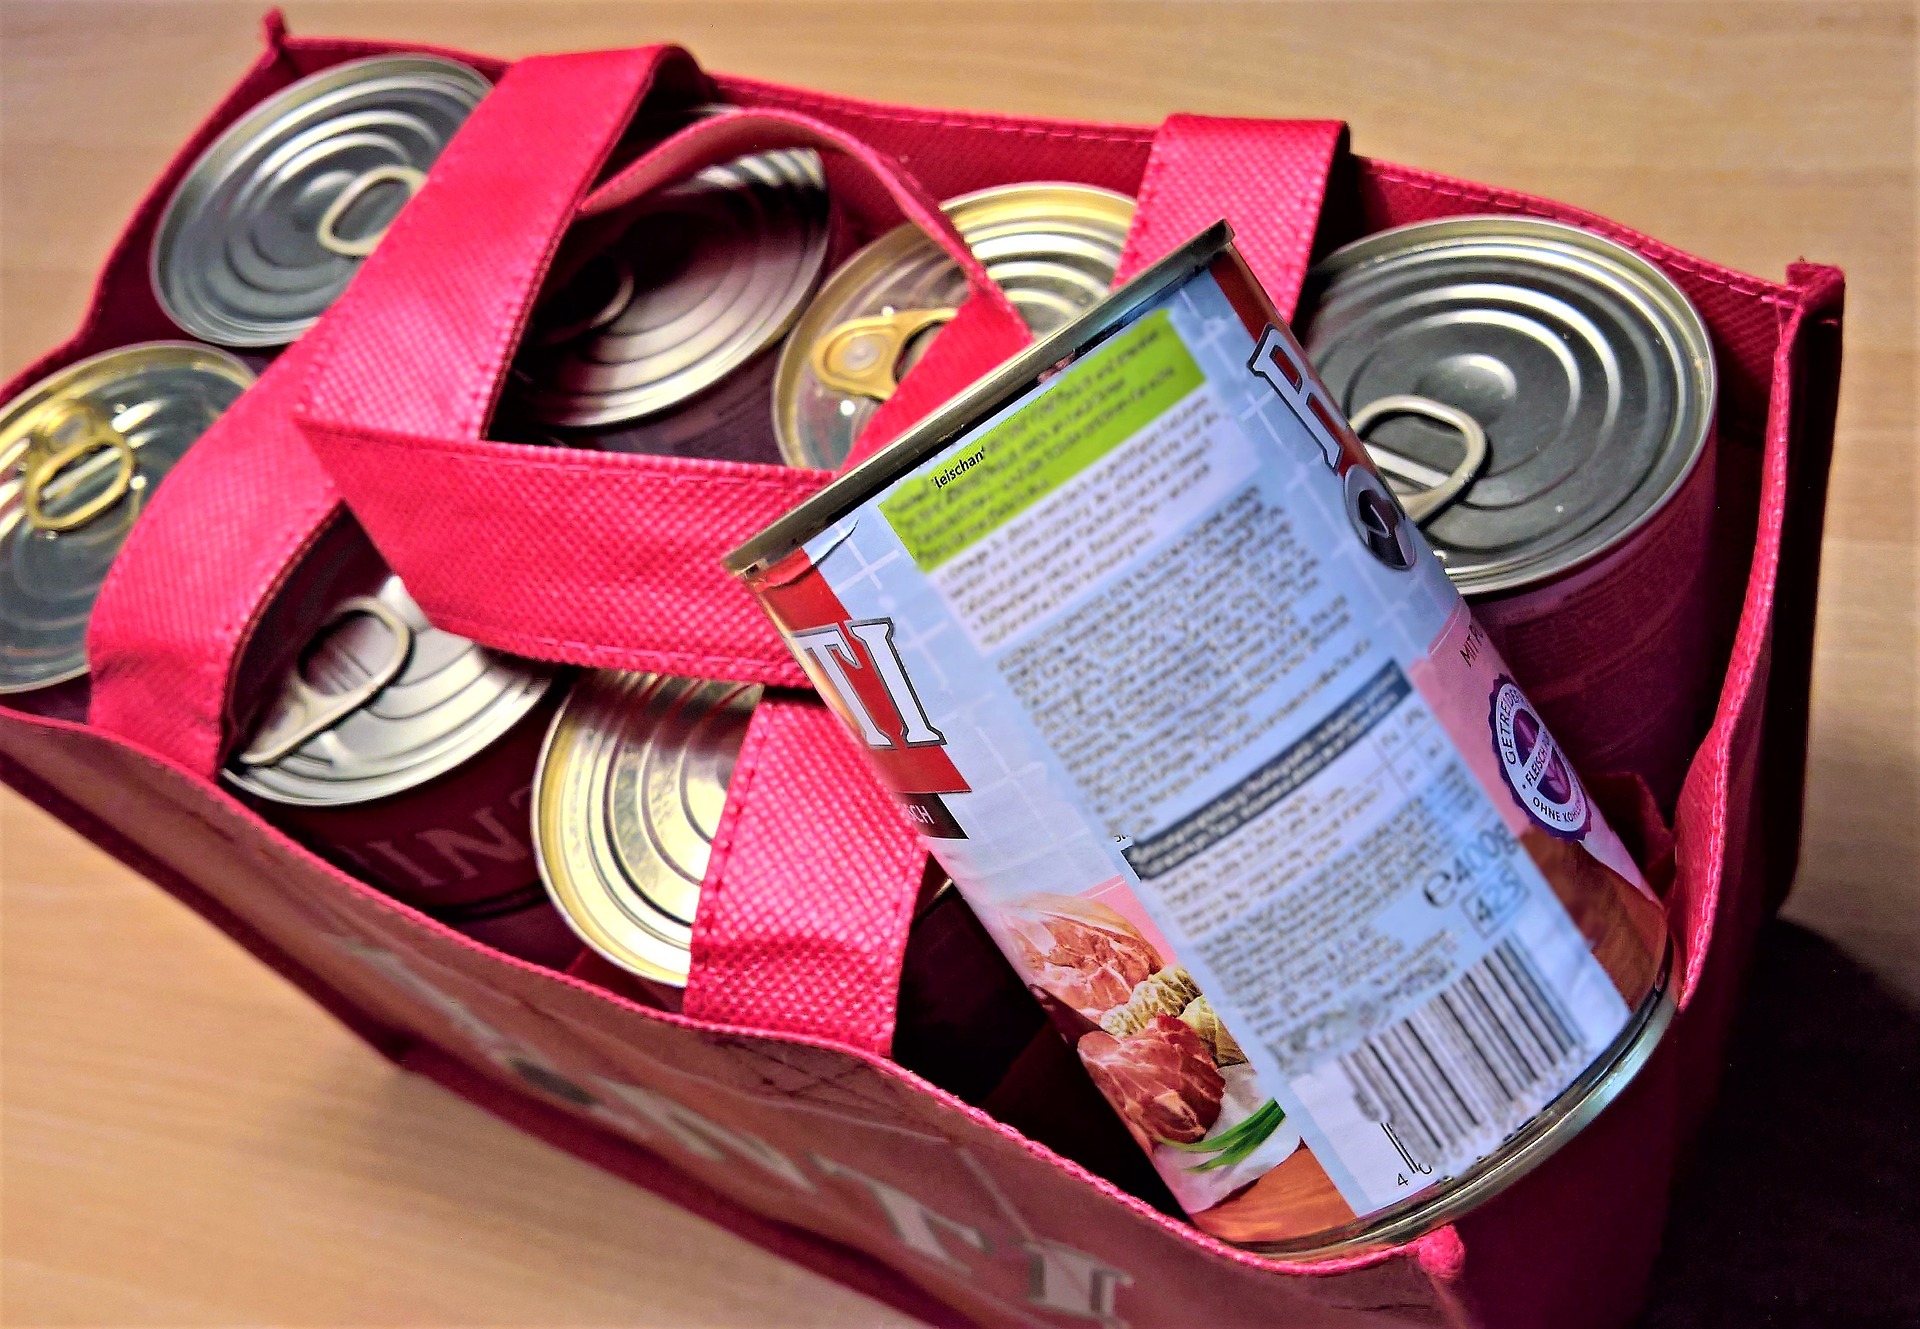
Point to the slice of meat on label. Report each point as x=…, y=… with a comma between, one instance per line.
x=1161, y=1080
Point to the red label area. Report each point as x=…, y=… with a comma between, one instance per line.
x=872, y=696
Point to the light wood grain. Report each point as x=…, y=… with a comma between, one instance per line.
x=188, y=1142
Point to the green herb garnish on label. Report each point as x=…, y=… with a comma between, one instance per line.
x=1238, y=1141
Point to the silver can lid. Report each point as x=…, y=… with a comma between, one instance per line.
x=80, y=453
x=708, y=275
x=274, y=219
x=632, y=782
x=1053, y=248
x=1589, y=371
x=379, y=703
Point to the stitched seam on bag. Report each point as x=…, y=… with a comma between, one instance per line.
x=1759, y=597
x=1137, y=138
x=685, y=662
x=792, y=486
x=1514, y=202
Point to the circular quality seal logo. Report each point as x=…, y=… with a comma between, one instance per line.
x=1533, y=766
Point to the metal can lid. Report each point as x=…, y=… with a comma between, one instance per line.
x=80, y=453
x=711, y=273
x=381, y=702
x=1590, y=372
x=626, y=802
x=273, y=220
x=1052, y=247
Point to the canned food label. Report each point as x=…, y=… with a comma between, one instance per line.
x=1194, y=718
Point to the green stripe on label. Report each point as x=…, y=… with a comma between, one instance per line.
x=1091, y=409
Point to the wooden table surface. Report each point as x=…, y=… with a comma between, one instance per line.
x=189, y=1142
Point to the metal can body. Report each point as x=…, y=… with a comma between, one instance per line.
x=1583, y=539
x=406, y=755
x=1619, y=654
x=1192, y=715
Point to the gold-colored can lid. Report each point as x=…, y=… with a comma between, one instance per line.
x=275, y=217
x=626, y=803
x=709, y=275
x=1053, y=248
x=80, y=453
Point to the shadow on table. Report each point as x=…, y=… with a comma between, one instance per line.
x=1802, y=1203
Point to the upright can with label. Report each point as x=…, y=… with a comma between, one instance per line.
x=1192, y=715
x=1583, y=540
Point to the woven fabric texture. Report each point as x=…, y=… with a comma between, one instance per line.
x=600, y=559
x=805, y=909
x=1265, y=177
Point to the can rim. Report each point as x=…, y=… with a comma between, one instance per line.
x=1680, y=324
x=948, y=423
x=212, y=358
x=219, y=154
x=1599, y=1085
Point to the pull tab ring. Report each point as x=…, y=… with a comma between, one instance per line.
x=860, y=355
x=325, y=231
x=307, y=712
x=43, y=469
x=1438, y=488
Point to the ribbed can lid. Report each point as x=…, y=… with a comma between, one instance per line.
x=1588, y=369
x=1053, y=248
x=382, y=702
x=626, y=804
x=274, y=219
x=708, y=275
x=80, y=454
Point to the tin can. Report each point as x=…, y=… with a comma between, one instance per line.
x=662, y=338
x=1583, y=539
x=1185, y=705
x=80, y=453
x=406, y=755
x=631, y=786
x=276, y=216
x=631, y=783
x=1052, y=248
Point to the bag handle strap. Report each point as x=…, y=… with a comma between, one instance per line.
x=1267, y=177
x=809, y=894
x=601, y=559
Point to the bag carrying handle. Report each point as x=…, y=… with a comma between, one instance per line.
x=164, y=658
x=601, y=559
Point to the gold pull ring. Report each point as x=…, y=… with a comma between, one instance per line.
x=326, y=231
x=860, y=355
x=1438, y=488
x=305, y=712
x=44, y=466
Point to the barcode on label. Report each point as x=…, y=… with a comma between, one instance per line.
x=1457, y=1076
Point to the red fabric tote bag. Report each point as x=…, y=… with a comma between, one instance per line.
x=771, y=1103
